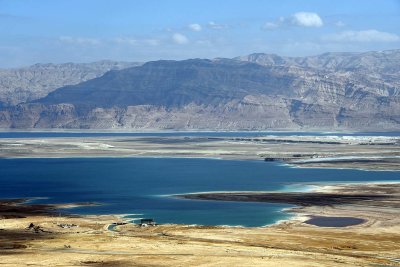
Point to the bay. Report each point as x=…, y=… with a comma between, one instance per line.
x=143, y=186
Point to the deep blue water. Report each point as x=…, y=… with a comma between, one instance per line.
x=19, y=134
x=137, y=186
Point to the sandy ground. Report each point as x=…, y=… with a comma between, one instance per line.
x=86, y=241
x=372, y=153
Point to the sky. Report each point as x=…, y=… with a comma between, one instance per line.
x=58, y=31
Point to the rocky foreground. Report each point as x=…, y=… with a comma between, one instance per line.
x=35, y=235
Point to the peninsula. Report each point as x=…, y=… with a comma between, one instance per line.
x=37, y=234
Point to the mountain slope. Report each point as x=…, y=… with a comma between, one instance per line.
x=29, y=83
x=175, y=84
x=327, y=92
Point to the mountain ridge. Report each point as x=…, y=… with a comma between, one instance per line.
x=355, y=91
x=18, y=85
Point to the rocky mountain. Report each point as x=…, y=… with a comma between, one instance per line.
x=175, y=84
x=20, y=85
x=334, y=91
x=383, y=62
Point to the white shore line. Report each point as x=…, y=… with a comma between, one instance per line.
x=119, y=156
x=294, y=214
x=336, y=159
x=145, y=131
x=316, y=186
x=295, y=166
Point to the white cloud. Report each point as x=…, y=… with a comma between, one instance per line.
x=363, y=36
x=270, y=26
x=126, y=40
x=179, y=38
x=79, y=40
x=134, y=41
x=195, y=27
x=340, y=24
x=204, y=42
x=152, y=42
x=307, y=19
x=302, y=19
x=216, y=26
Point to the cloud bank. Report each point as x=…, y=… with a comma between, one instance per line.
x=79, y=40
x=299, y=19
x=216, y=26
x=195, y=27
x=179, y=38
x=307, y=19
x=363, y=36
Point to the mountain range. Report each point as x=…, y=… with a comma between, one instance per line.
x=332, y=91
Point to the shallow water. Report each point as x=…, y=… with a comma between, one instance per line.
x=323, y=221
x=140, y=186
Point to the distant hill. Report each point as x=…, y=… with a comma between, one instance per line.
x=384, y=62
x=332, y=91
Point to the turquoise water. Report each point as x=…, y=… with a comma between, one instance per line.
x=141, y=186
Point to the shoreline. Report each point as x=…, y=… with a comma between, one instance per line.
x=296, y=212
x=294, y=130
x=291, y=165
x=293, y=151
x=88, y=240
x=313, y=187
x=350, y=132
x=311, y=203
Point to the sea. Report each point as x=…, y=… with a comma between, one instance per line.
x=146, y=187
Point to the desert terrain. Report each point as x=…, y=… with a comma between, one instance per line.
x=38, y=235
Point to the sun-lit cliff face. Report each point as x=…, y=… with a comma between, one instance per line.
x=259, y=91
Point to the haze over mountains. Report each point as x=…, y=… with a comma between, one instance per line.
x=332, y=91
x=20, y=85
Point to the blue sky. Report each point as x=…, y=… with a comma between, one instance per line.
x=41, y=31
